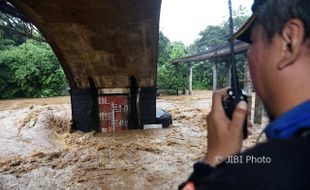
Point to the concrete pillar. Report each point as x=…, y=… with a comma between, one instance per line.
x=190, y=79
x=248, y=88
x=147, y=102
x=214, y=69
x=258, y=111
x=84, y=104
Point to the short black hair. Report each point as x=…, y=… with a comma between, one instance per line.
x=274, y=14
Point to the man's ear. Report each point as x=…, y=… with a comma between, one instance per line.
x=293, y=38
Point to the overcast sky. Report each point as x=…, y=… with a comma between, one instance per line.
x=182, y=20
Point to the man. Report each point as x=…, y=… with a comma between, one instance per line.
x=279, y=62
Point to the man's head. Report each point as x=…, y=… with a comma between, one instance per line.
x=279, y=57
x=273, y=14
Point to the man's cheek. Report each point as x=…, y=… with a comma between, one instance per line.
x=253, y=67
x=251, y=56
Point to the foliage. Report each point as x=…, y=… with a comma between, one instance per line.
x=27, y=68
x=171, y=76
x=202, y=75
x=30, y=70
x=163, y=49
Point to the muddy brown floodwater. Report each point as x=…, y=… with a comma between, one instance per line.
x=39, y=151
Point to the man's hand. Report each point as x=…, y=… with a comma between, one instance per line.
x=224, y=135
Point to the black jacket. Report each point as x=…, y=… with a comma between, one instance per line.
x=276, y=164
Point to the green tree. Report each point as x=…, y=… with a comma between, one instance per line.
x=30, y=70
x=170, y=76
x=163, y=49
x=27, y=68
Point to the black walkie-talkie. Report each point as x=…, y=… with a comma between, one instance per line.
x=230, y=102
x=234, y=94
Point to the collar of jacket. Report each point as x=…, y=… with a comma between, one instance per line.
x=288, y=124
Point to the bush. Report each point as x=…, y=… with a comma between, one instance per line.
x=30, y=70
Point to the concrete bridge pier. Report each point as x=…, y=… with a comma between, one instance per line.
x=84, y=110
x=248, y=88
x=190, y=78
x=109, y=110
x=214, y=70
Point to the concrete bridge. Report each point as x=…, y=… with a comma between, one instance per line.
x=108, y=51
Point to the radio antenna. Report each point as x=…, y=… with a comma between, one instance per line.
x=234, y=78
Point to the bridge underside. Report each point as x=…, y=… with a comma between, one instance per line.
x=106, y=40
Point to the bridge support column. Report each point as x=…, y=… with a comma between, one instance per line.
x=248, y=88
x=190, y=79
x=147, y=108
x=214, y=69
x=259, y=109
x=84, y=104
x=149, y=113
